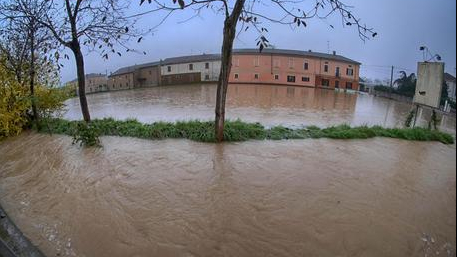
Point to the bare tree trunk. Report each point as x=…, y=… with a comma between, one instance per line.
x=76, y=48
x=226, y=65
x=36, y=118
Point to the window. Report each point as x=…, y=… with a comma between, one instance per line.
x=126, y=76
x=169, y=68
x=350, y=72
x=306, y=66
x=348, y=85
x=326, y=68
x=150, y=72
x=291, y=63
x=237, y=62
x=305, y=79
x=237, y=75
x=276, y=77
x=256, y=76
x=337, y=84
x=257, y=61
x=337, y=72
x=207, y=65
x=206, y=77
x=325, y=82
x=191, y=66
x=277, y=63
x=127, y=84
x=120, y=85
x=291, y=79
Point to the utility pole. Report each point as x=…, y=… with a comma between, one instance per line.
x=391, y=82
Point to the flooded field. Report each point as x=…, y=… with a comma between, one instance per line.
x=178, y=198
x=270, y=105
x=377, y=197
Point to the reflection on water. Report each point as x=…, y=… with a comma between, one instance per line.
x=270, y=105
x=176, y=198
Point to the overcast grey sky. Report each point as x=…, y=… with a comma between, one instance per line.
x=403, y=26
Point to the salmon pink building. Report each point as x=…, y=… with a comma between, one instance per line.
x=249, y=66
x=292, y=67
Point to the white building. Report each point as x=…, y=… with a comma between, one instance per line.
x=190, y=69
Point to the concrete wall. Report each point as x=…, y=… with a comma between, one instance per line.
x=430, y=78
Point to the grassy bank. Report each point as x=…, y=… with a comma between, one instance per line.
x=235, y=131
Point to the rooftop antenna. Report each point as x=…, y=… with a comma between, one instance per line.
x=428, y=56
x=328, y=46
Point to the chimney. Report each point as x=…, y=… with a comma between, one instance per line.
x=334, y=52
x=310, y=50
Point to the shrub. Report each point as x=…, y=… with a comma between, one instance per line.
x=49, y=101
x=14, y=103
x=409, y=119
x=86, y=134
x=381, y=88
x=203, y=131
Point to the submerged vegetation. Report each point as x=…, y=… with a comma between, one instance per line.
x=235, y=131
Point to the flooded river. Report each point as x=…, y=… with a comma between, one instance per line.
x=269, y=105
x=177, y=198
x=260, y=198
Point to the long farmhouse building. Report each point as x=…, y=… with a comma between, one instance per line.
x=272, y=66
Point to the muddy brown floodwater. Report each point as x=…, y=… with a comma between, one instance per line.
x=269, y=105
x=173, y=198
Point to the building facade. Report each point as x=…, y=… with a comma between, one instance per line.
x=95, y=83
x=191, y=69
x=298, y=68
x=137, y=76
x=249, y=66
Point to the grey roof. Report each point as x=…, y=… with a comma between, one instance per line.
x=95, y=75
x=132, y=68
x=448, y=77
x=216, y=57
x=192, y=58
x=89, y=76
x=296, y=53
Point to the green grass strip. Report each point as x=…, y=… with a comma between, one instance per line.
x=236, y=131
